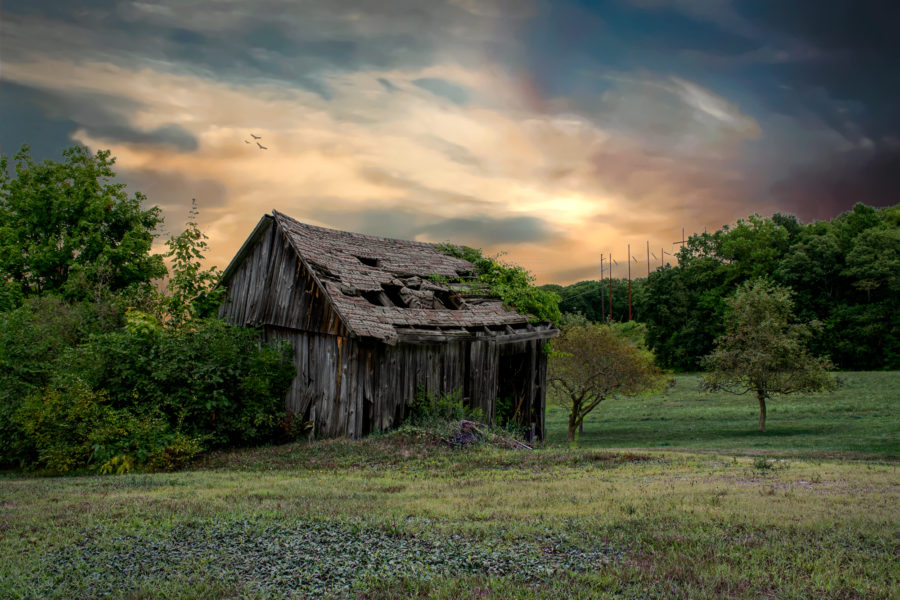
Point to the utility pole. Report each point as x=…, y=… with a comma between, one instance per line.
x=648, y=261
x=602, y=299
x=682, y=241
x=629, y=282
x=610, y=287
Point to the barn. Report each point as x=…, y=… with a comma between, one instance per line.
x=373, y=321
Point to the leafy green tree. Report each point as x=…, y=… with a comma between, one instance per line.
x=66, y=228
x=753, y=247
x=591, y=363
x=762, y=351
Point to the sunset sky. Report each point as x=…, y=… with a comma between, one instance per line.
x=553, y=131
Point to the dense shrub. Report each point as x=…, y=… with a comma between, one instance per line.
x=87, y=382
x=73, y=428
x=208, y=379
x=437, y=409
x=77, y=392
x=32, y=338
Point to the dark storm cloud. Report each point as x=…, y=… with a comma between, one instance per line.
x=273, y=41
x=570, y=42
x=856, y=58
x=24, y=122
x=251, y=41
x=831, y=187
x=102, y=116
x=851, y=83
x=822, y=79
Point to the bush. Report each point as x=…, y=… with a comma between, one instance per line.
x=438, y=409
x=32, y=338
x=77, y=392
x=209, y=380
x=76, y=428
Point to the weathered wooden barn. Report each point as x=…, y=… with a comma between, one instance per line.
x=370, y=325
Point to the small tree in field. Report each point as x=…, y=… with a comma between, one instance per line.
x=761, y=351
x=591, y=363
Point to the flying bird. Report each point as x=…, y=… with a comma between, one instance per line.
x=261, y=146
x=256, y=137
x=246, y=142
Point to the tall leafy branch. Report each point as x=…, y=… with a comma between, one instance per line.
x=192, y=290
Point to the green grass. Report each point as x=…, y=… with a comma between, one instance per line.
x=402, y=515
x=861, y=418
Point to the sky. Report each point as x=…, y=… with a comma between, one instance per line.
x=553, y=132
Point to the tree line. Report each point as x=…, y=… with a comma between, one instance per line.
x=843, y=277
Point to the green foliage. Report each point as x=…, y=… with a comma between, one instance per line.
x=142, y=396
x=428, y=410
x=10, y=295
x=65, y=228
x=98, y=371
x=843, y=273
x=511, y=283
x=591, y=363
x=32, y=339
x=192, y=290
x=75, y=428
x=208, y=379
x=762, y=350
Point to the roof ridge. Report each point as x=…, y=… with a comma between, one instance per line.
x=280, y=215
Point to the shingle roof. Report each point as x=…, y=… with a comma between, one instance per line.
x=381, y=287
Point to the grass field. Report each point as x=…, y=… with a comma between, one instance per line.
x=860, y=418
x=730, y=514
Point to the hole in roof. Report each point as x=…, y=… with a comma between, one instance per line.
x=449, y=299
x=368, y=261
x=376, y=297
x=393, y=292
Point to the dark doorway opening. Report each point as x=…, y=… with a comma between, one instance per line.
x=513, y=387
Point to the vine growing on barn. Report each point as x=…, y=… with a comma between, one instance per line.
x=511, y=283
